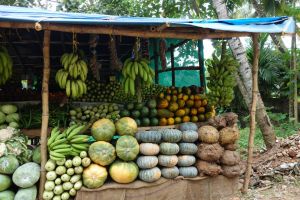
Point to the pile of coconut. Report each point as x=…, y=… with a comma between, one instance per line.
x=217, y=151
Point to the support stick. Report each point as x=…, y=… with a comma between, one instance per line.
x=45, y=110
x=252, y=112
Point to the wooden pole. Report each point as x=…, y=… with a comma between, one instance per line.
x=142, y=31
x=45, y=110
x=173, y=66
x=252, y=112
x=295, y=77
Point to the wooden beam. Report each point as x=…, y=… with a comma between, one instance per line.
x=45, y=110
x=295, y=77
x=252, y=112
x=142, y=32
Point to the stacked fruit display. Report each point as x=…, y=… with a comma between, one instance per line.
x=185, y=104
x=221, y=80
x=105, y=151
x=113, y=92
x=64, y=177
x=9, y=116
x=85, y=114
x=133, y=69
x=70, y=142
x=145, y=114
x=5, y=65
x=73, y=75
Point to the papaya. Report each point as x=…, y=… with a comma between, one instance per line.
x=163, y=103
x=194, y=119
x=180, y=113
x=181, y=103
x=163, y=122
x=197, y=97
x=174, y=98
x=164, y=113
x=201, y=110
x=204, y=102
x=186, y=119
x=168, y=97
x=180, y=96
x=171, y=121
x=178, y=120
x=187, y=111
x=197, y=103
x=173, y=106
x=193, y=111
x=185, y=97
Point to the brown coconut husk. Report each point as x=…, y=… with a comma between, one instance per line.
x=231, y=171
x=207, y=168
x=210, y=152
x=230, y=158
x=229, y=135
x=231, y=147
x=208, y=134
x=224, y=120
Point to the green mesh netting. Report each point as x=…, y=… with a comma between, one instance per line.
x=184, y=56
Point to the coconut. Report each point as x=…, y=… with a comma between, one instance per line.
x=231, y=171
x=229, y=135
x=210, y=152
x=230, y=158
x=208, y=134
x=210, y=169
x=231, y=146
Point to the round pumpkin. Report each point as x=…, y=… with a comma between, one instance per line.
x=102, y=153
x=208, y=134
x=188, y=126
x=123, y=172
x=127, y=148
x=189, y=136
x=170, y=172
x=126, y=126
x=150, y=175
x=147, y=162
x=169, y=148
x=94, y=176
x=186, y=160
x=149, y=149
x=187, y=148
x=188, y=172
x=171, y=135
x=148, y=136
x=103, y=130
x=167, y=161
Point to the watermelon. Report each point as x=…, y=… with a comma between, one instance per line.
x=7, y=195
x=8, y=164
x=126, y=126
x=5, y=182
x=103, y=130
x=102, y=153
x=127, y=148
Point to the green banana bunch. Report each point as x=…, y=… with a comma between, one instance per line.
x=70, y=142
x=133, y=69
x=5, y=65
x=221, y=80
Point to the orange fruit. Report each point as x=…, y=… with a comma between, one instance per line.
x=189, y=103
x=197, y=103
x=193, y=111
x=163, y=122
x=174, y=98
x=171, y=121
x=185, y=97
x=181, y=103
x=197, y=97
x=161, y=95
x=186, y=119
x=177, y=120
x=180, y=96
x=173, y=106
x=194, y=119
x=180, y=113
x=201, y=110
x=168, y=97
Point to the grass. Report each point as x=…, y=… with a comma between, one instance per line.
x=282, y=127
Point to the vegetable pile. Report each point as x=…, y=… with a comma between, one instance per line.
x=9, y=116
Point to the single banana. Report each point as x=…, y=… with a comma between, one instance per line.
x=68, y=88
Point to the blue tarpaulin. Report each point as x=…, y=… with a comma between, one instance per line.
x=283, y=25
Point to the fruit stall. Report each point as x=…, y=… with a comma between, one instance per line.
x=103, y=107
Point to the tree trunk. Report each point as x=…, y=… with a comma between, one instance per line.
x=246, y=80
x=276, y=40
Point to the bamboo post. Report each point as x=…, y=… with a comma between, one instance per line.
x=45, y=110
x=295, y=77
x=252, y=112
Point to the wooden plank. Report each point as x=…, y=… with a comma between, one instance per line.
x=45, y=110
x=142, y=31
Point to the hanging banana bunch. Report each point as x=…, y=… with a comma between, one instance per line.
x=5, y=65
x=74, y=73
x=134, y=69
x=221, y=80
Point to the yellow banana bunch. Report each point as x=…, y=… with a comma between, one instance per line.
x=221, y=80
x=69, y=142
x=133, y=69
x=73, y=75
x=5, y=65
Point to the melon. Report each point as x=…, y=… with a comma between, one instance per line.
x=26, y=175
x=127, y=148
x=123, y=172
x=2, y=117
x=103, y=130
x=8, y=164
x=5, y=182
x=94, y=176
x=7, y=195
x=126, y=126
x=102, y=153
x=26, y=193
